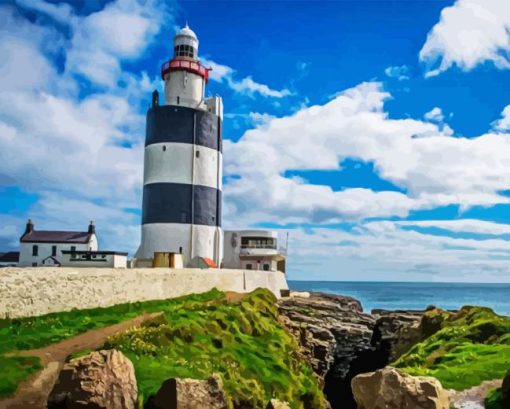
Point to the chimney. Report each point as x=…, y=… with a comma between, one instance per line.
x=92, y=227
x=155, y=98
x=30, y=227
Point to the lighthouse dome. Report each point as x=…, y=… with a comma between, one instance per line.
x=186, y=31
x=186, y=43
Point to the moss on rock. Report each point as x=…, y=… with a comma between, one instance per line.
x=460, y=349
x=242, y=341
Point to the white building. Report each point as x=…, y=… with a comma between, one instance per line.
x=52, y=248
x=253, y=250
x=44, y=247
x=181, y=209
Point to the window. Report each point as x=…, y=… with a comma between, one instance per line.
x=248, y=266
x=164, y=148
x=180, y=250
x=266, y=267
x=197, y=154
x=34, y=264
x=73, y=248
x=53, y=251
x=35, y=250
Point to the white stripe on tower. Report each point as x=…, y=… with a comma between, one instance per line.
x=173, y=163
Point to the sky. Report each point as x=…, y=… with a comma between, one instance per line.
x=376, y=133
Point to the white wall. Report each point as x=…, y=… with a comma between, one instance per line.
x=109, y=260
x=187, y=86
x=45, y=250
x=37, y=291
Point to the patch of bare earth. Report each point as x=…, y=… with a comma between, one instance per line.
x=33, y=393
x=474, y=397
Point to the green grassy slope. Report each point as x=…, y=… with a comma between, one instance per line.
x=23, y=334
x=462, y=349
x=242, y=341
x=194, y=337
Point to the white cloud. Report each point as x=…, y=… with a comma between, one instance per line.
x=379, y=251
x=461, y=226
x=503, y=124
x=400, y=72
x=120, y=31
x=469, y=33
x=434, y=168
x=434, y=115
x=80, y=152
x=62, y=13
x=246, y=86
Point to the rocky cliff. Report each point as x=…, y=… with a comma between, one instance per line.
x=341, y=341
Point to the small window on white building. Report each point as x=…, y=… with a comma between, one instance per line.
x=248, y=266
x=34, y=264
x=53, y=251
x=266, y=267
x=35, y=251
x=73, y=248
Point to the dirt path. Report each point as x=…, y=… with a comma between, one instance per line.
x=474, y=397
x=33, y=393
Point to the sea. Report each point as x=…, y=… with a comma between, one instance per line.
x=416, y=296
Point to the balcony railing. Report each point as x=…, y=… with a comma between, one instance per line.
x=258, y=246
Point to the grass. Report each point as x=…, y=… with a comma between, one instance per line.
x=36, y=332
x=15, y=369
x=194, y=337
x=461, y=349
x=243, y=342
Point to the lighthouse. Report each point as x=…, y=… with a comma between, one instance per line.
x=181, y=209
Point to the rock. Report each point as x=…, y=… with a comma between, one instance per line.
x=184, y=393
x=396, y=331
x=100, y=380
x=390, y=388
x=335, y=337
x=277, y=404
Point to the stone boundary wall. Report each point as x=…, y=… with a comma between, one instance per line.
x=31, y=291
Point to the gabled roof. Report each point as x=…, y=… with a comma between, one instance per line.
x=48, y=236
x=10, y=257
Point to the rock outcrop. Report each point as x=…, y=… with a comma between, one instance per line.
x=184, y=393
x=335, y=336
x=100, y=380
x=392, y=389
x=396, y=331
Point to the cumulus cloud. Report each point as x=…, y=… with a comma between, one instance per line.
x=434, y=115
x=469, y=33
x=434, y=169
x=503, y=124
x=80, y=151
x=400, y=72
x=246, y=86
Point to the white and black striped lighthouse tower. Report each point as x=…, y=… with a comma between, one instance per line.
x=181, y=211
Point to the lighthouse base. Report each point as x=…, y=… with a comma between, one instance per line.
x=190, y=240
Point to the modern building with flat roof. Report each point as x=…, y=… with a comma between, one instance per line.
x=253, y=250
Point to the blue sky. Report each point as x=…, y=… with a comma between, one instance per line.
x=377, y=133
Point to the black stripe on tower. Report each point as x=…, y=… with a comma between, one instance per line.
x=169, y=123
x=172, y=203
